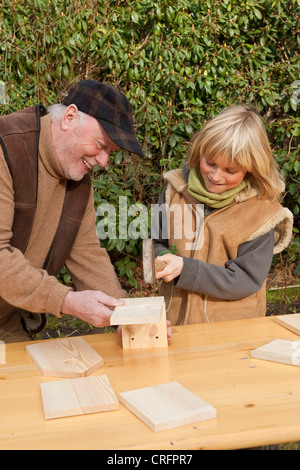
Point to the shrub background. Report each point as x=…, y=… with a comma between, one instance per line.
x=179, y=63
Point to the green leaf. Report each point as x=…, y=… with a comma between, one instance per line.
x=172, y=141
x=158, y=13
x=135, y=17
x=189, y=128
x=293, y=104
x=258, y=13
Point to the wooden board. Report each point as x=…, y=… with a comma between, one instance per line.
x=2, y=353
x=67, y=357
x=279, y=350
x=167, y=406
x=138, y=311
x=79, y=396
x=143, y=322
x=148, y=335
x=291, y=322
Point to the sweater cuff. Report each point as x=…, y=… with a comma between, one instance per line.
x=56, y=298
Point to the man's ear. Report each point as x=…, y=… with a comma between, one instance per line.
x=70, y=116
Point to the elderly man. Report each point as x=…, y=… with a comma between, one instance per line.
x=47, y=217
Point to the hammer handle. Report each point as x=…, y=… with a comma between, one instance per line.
x=160, y=265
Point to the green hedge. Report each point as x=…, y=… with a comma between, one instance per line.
x=179, y=62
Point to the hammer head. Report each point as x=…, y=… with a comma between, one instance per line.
x=150, y=265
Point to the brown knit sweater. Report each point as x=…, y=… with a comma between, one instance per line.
x=23, y=282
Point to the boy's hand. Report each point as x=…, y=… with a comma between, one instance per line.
x=173, y=268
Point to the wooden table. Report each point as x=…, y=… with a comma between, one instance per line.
x=257, y=402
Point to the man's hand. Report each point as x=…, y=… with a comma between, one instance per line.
x=91, y=306
x=173, y=268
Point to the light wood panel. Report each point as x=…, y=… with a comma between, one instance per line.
x=67, y=357
x=290, y=321
x=167, y=406
x=138, y=311
x=2, y=353
x=143, y=322
x=279, y=350
x=79, y=396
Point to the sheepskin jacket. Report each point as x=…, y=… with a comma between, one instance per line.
x=218, y=237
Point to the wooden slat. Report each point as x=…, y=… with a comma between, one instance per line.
x=148, y=335
x=67, y=357
x=279, y=350
x=137, y=311
x=79, y=396
x=143, y=322
x=167, y=406
x=291, y=322
x=2, y=353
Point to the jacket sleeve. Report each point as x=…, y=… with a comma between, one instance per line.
x=88, y=263
x=239, y=278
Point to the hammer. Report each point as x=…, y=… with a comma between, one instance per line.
x=150, y=264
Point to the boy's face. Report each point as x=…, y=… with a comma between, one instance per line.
x=220, y=175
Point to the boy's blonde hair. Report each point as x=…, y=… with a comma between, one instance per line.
x=238, y=135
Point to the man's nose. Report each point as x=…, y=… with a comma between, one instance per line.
x=102, y=159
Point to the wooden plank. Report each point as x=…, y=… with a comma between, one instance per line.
x=138, y=311
x=167, y=406
x=148, y=335
x=2, y=353
x=290, y=321
x=143, y=322
x=279, y=350
x=78, y=396
x=67, y=357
